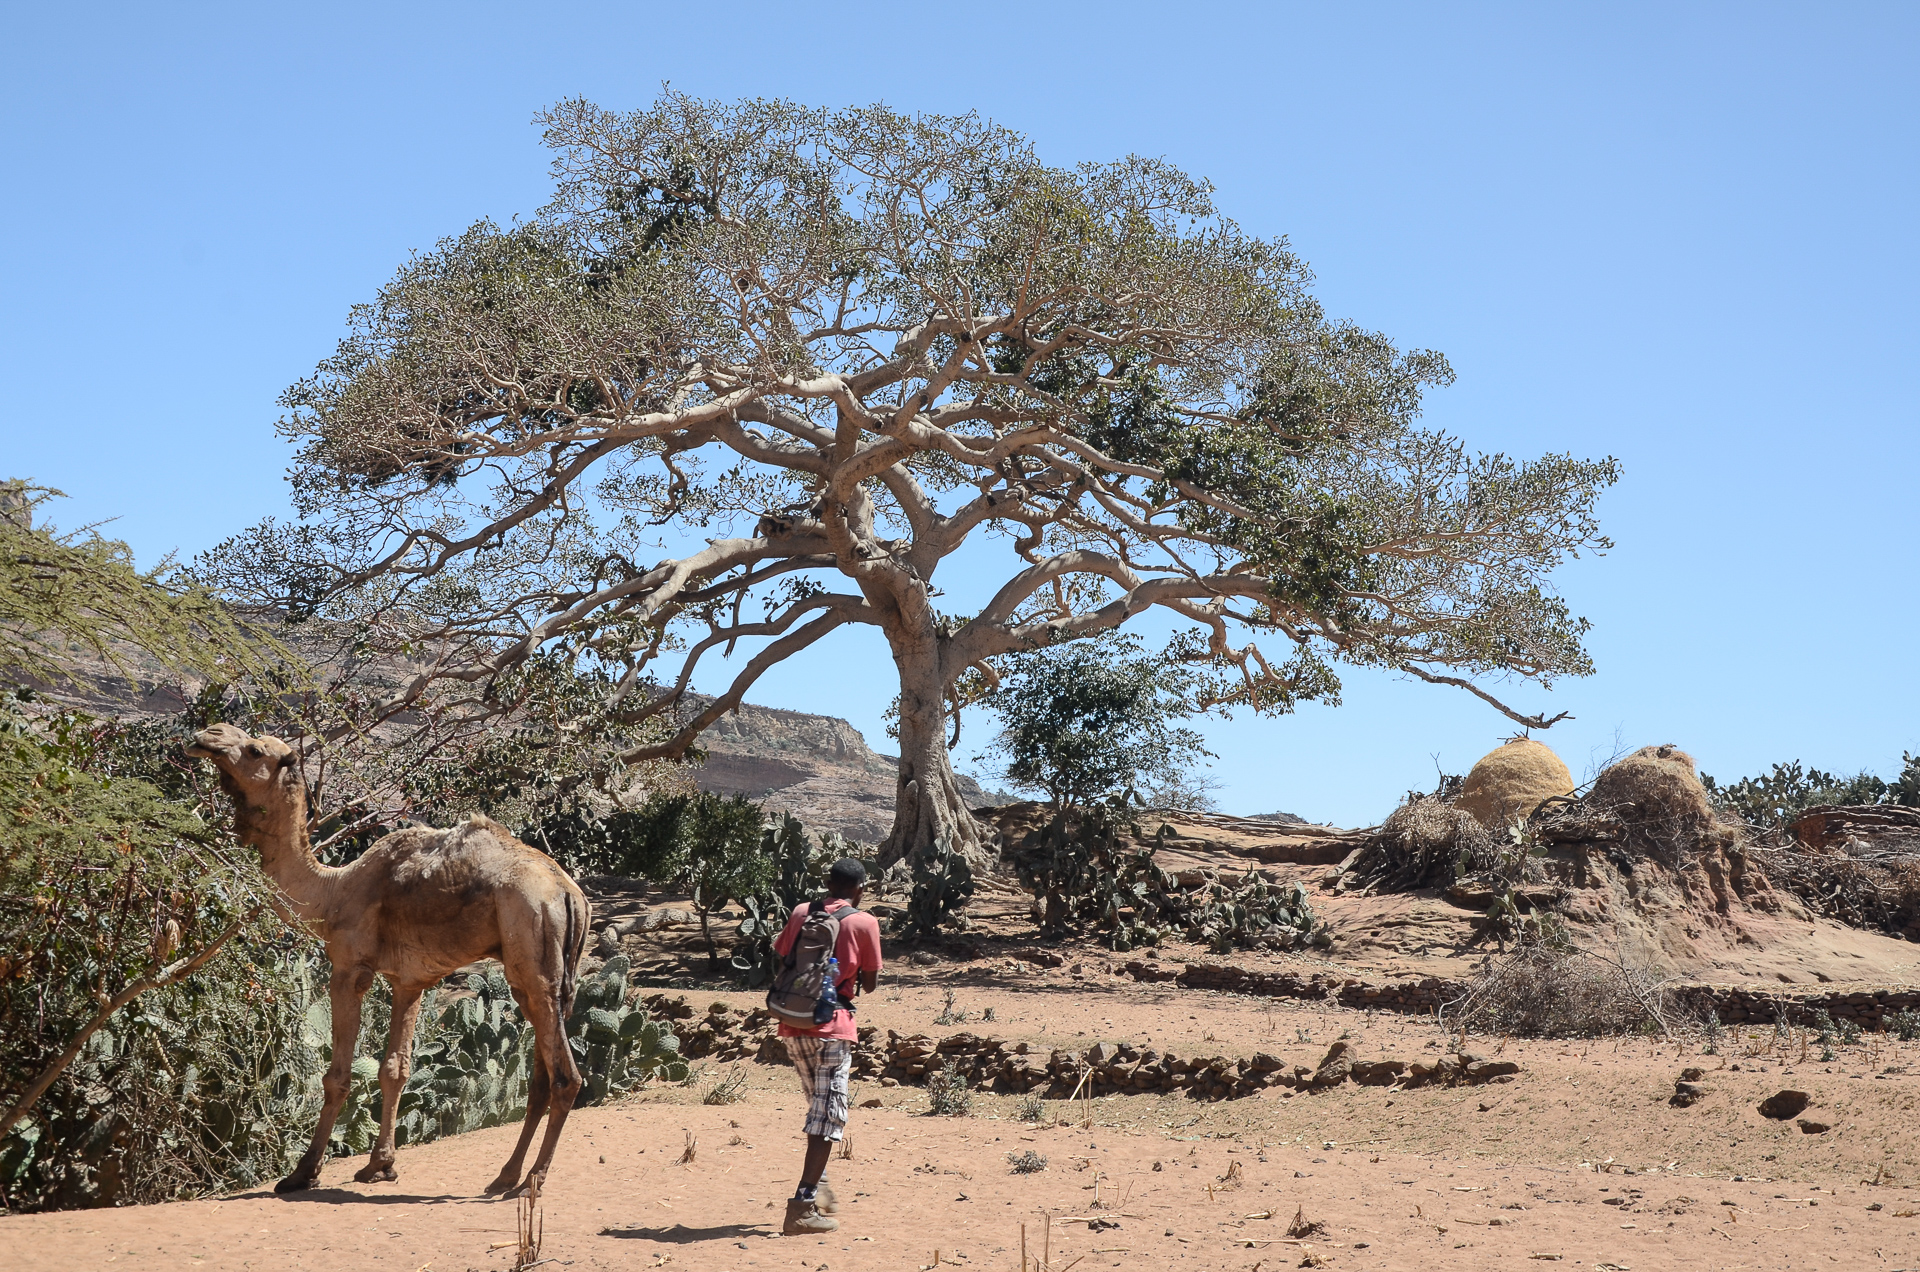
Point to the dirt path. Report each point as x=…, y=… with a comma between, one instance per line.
x=1579, y=1157
x=917, y=1186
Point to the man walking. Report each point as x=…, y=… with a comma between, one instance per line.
x=823, y=1053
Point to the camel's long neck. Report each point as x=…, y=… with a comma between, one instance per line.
x=278, y=829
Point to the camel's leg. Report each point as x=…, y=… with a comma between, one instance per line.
x=393, y=1077
x=537, y=1093
x=563, y=1077
x=344, y=990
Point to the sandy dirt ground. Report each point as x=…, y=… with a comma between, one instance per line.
x=1579, y=1160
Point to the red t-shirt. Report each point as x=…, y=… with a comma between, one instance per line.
x=858, y=949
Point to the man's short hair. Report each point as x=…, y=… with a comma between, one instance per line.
x=846, y=875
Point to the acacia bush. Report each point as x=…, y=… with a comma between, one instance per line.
x=104, y=880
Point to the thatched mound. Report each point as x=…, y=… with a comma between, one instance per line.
x=1425, y=843
x=1511, y=781
x=1655, y=794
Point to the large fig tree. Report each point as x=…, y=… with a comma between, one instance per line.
x=845, y=343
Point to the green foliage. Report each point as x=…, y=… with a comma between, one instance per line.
x=62, y=593
x=1256, y=913
x=724, y=862
x=1827, y=1031
x=104, y=879
x=753, y=956
x=470, y=1063
x=799, y=875
x=942, y=886
x=1776, y=798
x=1085, y=865
x=1085, y=720
x=199, y=1087
x=1904, y=1024
x=649, y=842
x=947, y=1093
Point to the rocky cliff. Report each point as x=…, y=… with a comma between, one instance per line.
x=819, y=768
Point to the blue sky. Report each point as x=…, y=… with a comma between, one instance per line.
x=1679, y=234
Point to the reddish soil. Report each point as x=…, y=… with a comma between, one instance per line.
x=1579, y=1157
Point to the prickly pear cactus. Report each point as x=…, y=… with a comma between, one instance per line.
x=942, y=886
x=618, y=1046
x=1257, y=913
x=753, y=955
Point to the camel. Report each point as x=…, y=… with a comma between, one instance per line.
x=417, y=905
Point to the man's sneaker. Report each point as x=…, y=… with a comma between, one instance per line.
x=804, y=1218
x=823, y=1199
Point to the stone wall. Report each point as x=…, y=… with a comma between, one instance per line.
x=1743, y=1005
x=726, y=1033
x=1420, y=997
x=1735, y=1004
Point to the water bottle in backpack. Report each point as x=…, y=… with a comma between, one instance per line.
x=829, y=996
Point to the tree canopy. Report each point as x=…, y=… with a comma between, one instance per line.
x=1093, y=718
x=846, y=342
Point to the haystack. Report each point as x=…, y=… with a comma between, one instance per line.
x=1511, y=781
x=1424, y=843
x=1657, y=796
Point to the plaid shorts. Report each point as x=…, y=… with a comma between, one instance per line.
x=824, y=1065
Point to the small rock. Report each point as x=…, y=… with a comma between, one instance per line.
x=1487, y=1070
x=1811, y=1127
x=872, y=1102
x=1335, y=1066
x=1692, y=1074
x=1687, y=1094
x=1784, y=1104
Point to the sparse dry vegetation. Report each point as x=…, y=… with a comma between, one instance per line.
x=1547, y=989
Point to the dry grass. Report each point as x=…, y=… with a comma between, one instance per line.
x=1881, y=891
x=1544, y=990
x=730, y=1089
x=1426, y=842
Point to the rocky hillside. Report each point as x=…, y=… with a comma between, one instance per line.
x=819, y=768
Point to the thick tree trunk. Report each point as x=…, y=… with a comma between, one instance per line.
x=927, y=803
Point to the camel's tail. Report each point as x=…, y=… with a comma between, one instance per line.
x=579, y=921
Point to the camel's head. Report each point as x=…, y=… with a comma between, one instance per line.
x=254, y=765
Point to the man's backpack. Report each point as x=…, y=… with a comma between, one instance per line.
x=802, y=978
